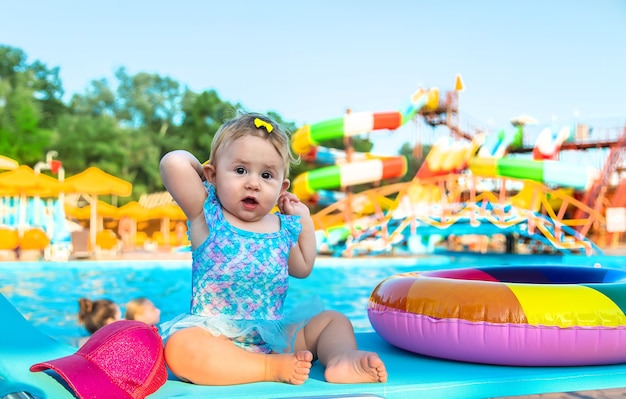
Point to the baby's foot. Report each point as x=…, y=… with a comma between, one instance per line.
x=356, y=366
x=292, y=368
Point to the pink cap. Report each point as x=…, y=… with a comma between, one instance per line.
x=123, y=359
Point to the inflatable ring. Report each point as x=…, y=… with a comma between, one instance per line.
x=507, y=315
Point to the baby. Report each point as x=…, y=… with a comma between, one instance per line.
x=142, y=309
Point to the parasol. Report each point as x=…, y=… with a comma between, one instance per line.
x=24, y=182
x=167, y=213
x=93, y=182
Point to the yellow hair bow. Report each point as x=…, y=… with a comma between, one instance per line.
x=258, y=122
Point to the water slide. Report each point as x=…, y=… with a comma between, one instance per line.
x=362, y=168
x=542, y=168
x=579, y=177
x=348, y=174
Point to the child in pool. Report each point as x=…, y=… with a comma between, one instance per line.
x=96, y=314
x=142, y=309
x=237, y=331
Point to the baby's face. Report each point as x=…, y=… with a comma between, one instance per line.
x=150, y=314
x=249, y=176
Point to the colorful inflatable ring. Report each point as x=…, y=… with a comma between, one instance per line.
x=507, y=315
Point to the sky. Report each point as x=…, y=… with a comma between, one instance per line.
x=557, y=61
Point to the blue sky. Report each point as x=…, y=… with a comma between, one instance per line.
x=556, y=61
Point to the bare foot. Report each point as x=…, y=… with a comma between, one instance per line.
x=292, y=368
x=355, y=366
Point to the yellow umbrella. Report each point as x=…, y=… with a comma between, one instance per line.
x=93, y=182
x=171, y=211
x=103, y=210
x=167, y=213
x=75, y=212
x=24, y=182
x=135, y=211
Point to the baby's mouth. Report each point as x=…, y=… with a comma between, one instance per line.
x=250, y=202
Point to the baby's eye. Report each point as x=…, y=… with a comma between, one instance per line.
x=240, y=171
x=266, y=175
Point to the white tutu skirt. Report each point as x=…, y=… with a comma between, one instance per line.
x=254, y=335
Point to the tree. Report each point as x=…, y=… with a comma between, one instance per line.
x=86, y=140
x=148, y=100
x=30, y=103
x=99, y=99
x=203, y=114
x=49, y=92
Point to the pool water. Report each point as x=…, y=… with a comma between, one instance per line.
x=47, y=293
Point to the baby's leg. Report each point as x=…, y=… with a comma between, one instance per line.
x=330, y=337
x=196, y=355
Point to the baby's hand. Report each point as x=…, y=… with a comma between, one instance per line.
x=289, y=204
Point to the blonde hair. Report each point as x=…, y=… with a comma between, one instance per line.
x=244, y=125
x=135, y=306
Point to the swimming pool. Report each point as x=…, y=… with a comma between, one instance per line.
x=47, y=293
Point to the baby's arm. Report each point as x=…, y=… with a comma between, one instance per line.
x=183, y=177
x=302, y=256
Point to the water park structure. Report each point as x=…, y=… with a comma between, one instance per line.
x=472, y=183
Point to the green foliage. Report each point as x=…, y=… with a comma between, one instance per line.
x=26, y=101
x=203, y=114
x=85, y=140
